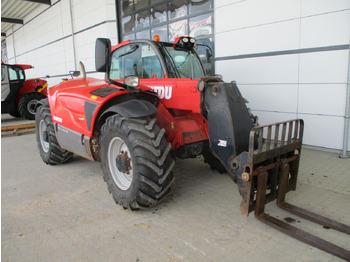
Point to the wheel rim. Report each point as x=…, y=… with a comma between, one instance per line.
x=120, y=164
x=43, y=136
x=31, y=106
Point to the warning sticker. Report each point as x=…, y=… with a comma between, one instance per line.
x=58, y=119
x=222, y=143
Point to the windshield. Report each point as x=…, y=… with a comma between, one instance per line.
x=184, y=62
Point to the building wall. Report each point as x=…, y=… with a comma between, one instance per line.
x=45, y=40
x=290, y=59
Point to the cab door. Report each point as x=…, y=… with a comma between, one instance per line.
x=12, y=79
x=5, y=84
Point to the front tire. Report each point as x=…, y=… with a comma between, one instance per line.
x=26, y=105
x=50, y=151
x=136, y=161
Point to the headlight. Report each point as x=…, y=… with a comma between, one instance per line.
x=186, y=42
x=201, y=85
x=132, y=81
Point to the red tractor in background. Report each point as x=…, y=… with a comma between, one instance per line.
x=19, y=95
x=155, y=105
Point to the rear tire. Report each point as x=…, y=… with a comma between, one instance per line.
x=26, y=105
x=50, y=151
x=136, y=161
x=15, y=114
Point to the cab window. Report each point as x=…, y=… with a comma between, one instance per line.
x=21, y=74
x=16, y=73
x=138, y=59
x=3, y=72
x=13, y=74
x=186, y=62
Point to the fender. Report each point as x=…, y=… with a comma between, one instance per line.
x=133, y=108
x=42, y=102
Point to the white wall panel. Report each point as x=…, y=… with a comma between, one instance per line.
x=324, y=67
x=85, y=45
x=324, y=131
x=271, y=37
x=46, y=41
x=280, y=98
x=50, y=28
x=10, y=49
x=94, y=17
x=325, y=99
x=68, y=50
x=87, y=13
x=53, y=62
x=36, y=12
x=255, y=12
x=221, y=3
x=29, y=37
x=110, y=10
x=325, y=30
x=260, y=70
x=66, y=27
x=21, y=37
x=266, y=117
x=315, y=7
x=312, y=84
x=112, y=33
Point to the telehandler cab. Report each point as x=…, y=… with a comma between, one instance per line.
x=156, y=105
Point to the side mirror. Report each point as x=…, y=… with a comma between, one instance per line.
x=74, y=73
x=209, y=55
x=102, y=54
x=208, y=52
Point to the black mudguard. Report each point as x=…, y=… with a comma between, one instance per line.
x=228, y=119
x=42, y=102
x=133, y=108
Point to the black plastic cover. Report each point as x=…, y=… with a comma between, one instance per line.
x=228, y=119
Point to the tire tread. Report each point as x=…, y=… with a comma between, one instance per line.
x=56, y=154
x=152, y=160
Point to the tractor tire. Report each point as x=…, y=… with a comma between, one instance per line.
x=212, y=161
x=15, y=114
x=50, y=151
x=136, y=161
x=27, y=103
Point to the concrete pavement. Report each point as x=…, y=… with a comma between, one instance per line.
x=65, y=213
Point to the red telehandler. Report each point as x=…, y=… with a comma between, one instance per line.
x=156, y=105
x=18, y=94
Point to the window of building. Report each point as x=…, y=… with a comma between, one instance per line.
x=143, y=19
